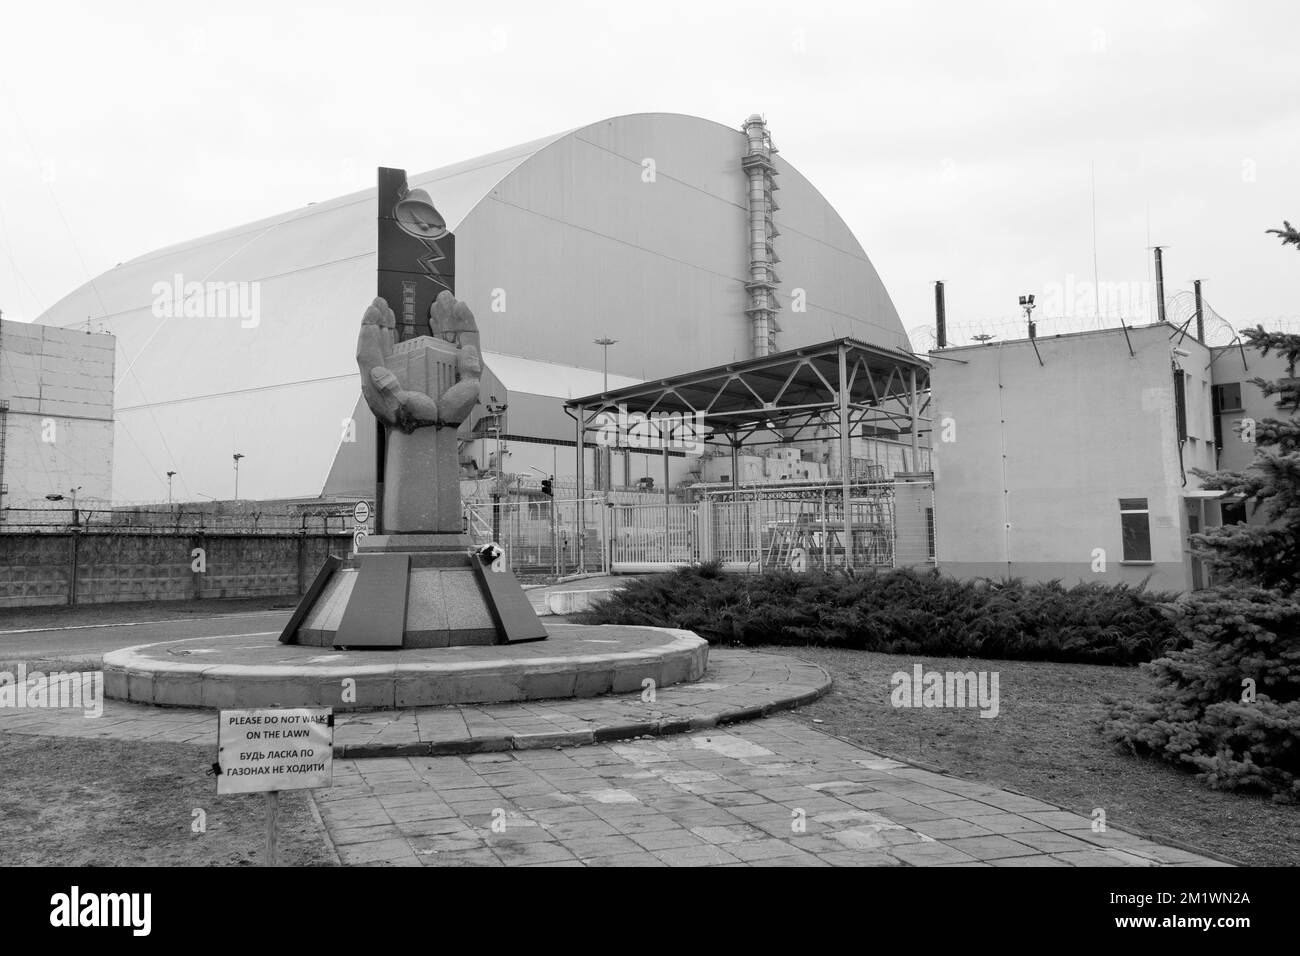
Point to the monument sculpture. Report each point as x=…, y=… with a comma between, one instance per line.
x=417, y=582
x=402, y=611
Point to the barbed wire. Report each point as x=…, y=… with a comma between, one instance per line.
x=1181, y=307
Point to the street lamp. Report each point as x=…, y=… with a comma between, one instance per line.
x=607, y=478
x=236, y=457
x=605, y=343
x=170, y=476
x=58, y=497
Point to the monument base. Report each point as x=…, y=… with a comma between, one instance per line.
x=412, y=591
x=245, y=671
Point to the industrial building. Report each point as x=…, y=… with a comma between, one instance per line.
x=684, y=243
x=1070, y=457
x=56, y=417
x=1236, y=399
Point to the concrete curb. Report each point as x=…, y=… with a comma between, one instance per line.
x=575, y=602
x=563, y=667
x=663, y=727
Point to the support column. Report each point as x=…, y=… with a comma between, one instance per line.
x=668, y=498
x=668, y=509
x=846, y=456
x=580, y=480
x=916, y=416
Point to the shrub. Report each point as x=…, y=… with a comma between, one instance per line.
x=1227, y=707
x=903, y=612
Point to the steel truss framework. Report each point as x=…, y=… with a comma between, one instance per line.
x=840, y=388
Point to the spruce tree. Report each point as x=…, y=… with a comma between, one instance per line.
x=1228, y=706
x=1264, y=554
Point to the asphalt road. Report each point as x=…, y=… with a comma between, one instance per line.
x=81, y=641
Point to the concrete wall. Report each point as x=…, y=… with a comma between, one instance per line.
x=85, y=568
x=59, y=427
x=1030, y=461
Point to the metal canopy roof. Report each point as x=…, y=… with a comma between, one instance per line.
x=788, y=391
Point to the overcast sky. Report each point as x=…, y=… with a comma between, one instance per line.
x=958, y=140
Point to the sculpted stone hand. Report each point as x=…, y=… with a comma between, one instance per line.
x=449, y=320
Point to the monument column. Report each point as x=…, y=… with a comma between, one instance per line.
x=418, y=583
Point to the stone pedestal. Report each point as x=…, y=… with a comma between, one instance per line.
x=414, y=503
x=422, y=468
x=413, y=591
x=420, y=584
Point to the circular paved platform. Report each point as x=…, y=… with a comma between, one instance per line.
x=738, y=686
x=257, y=671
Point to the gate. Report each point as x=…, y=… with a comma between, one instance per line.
x=653, y=537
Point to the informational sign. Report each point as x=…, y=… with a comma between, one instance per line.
x=265, y=750
x=361, y=512
x=357, y=537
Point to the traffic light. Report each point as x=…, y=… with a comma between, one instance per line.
x=547, y=488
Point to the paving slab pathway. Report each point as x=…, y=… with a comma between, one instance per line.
x=769, y=793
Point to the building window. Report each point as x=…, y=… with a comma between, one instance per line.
x=1233, y=512
x=1135, y=528
x=929, y=530
x=1227, y=398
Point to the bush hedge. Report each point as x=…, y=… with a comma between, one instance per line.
x=903, y=612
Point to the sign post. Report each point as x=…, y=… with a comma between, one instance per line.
x=272, y=821
x=360, y=515
x=266, y=751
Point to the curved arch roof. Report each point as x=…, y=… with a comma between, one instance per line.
x=565, y=233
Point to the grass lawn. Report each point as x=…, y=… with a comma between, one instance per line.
x=1044, y=743
x=69, y=802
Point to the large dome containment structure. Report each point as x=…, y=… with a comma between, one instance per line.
x=659, y=231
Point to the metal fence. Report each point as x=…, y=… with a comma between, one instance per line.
x=173, y=521
x=891, y=524
x=544, y=538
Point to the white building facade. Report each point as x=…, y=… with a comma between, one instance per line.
x=56, y=416
x=1070, y=457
